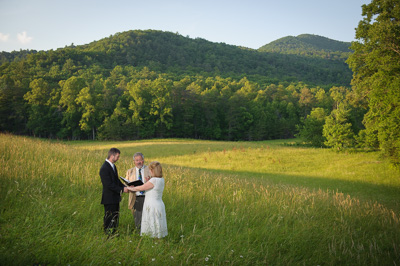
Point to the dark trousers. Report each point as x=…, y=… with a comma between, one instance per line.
x=111, y=217
x=138, y=206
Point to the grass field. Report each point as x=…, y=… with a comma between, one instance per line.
x=247, y=203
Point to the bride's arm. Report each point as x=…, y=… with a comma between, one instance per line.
x=146, y=186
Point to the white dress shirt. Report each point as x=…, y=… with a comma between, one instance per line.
x=112, y=165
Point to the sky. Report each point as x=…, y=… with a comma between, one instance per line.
x=51, y=24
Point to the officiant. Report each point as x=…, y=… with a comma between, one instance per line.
x=136, y=199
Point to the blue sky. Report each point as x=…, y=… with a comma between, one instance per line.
x=52, y=24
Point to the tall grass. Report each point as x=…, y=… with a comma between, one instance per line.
x=51, y=212
x=362, y=175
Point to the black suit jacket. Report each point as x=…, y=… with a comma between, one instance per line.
x=112, y=186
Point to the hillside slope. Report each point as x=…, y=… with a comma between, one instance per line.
x=168, y=52
x=309, y=45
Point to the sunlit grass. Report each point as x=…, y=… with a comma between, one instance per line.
x=270, y=157
x=262, y=212
x=293, y=161
x=364, y=175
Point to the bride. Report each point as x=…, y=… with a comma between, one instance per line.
x=154, y=220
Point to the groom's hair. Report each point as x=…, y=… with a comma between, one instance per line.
x=113, y=151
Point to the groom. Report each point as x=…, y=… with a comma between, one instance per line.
x=112, y=191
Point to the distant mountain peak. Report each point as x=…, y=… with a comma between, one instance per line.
x=309, y=45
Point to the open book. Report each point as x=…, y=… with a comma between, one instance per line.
x=132, y=183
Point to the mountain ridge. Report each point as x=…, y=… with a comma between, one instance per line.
x=309, y=45
x=274, y=46
x=171, y=52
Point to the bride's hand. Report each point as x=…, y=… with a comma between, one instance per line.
x=131, y=188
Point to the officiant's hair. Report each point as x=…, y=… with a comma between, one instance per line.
x=156, y=169
x=113, y=151
x=138, y=154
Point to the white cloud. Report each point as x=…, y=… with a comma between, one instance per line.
x=23, y=38
x=4, y=37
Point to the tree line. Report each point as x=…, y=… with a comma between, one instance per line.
x=136, y=103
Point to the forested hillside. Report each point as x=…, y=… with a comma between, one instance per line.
x=172, y=53
x=310, y=45
x=14, y=56
x=145, y=84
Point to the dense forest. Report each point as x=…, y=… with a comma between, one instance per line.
x=143, y=84
x=146, y=84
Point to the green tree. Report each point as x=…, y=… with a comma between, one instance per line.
x=376, y=72
x=71, y=115
x=323, y=99
x=337, y=130
x=161, y=105
x=259, y=129
x=306, y=101
x=311, y=131
x=13, y=87
x=239, y=114
x=184, y=104
x=140, y=104
x=87, y=100
x=43, y=117
x=151, y=105
x=210, y=110
x=119, y=125
x=196, y=104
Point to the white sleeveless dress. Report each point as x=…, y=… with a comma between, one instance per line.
x=154, y=219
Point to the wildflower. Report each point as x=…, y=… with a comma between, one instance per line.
x=153, y=259
x=172, y=257
x=241, y=256
x=182, y=236
x=207, y=258
x=232, y=251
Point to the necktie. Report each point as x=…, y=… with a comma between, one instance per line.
x=140, y=178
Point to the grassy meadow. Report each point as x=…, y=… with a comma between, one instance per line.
x=231, y=203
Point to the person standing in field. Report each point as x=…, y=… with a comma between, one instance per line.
x=112, y=191
x=154, y=219
x=136, y=199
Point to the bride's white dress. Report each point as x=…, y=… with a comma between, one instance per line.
x=154, y=219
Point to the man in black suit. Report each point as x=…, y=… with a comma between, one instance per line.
x=112, y=191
